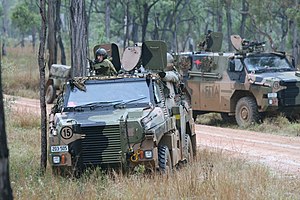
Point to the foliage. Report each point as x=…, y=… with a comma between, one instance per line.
x=24, y=17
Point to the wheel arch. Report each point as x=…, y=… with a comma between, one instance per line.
x=237, y=95
x=49, y=82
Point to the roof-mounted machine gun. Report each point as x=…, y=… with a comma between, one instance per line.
x=246, y=46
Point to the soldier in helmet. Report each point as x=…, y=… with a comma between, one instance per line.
x=102, y=64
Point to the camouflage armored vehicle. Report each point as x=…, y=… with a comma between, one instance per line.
x=248, y=84
x=58, y=76
x=123, y=121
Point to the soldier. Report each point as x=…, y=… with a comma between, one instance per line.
x=207, y=43
x=102, y=64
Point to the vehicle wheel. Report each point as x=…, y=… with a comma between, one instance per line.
x=164, y=160
x=50, y=94
x=226, y=118
x=188, y=149
x=246, y=112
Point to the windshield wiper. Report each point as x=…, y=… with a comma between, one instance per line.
x=124, y=103
x=284, y=69
x=94, y=105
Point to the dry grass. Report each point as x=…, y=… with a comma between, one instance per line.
x=20, y=72
x=214, y=175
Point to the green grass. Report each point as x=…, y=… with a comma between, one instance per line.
x=214, y=175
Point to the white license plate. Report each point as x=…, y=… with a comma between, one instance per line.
x=62, y=148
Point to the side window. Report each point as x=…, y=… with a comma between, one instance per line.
x=235, y=65
x=238, y=65
x=157, y=95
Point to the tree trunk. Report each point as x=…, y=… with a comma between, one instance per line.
x=295, y=50
x=229, y=23
x=41, y=61
x=4, y=26
x=284, y=31
x=52, y=47
x=107, y=19
x=78, y=38
x=5, y=187
x=33, y=39
x=245, y=10
x=135, y=29
x=126, y=24
x=146, y=11
x=58, y=31
x=145, y=21
x=219, y=16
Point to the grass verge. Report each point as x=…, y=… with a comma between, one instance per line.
x=214, y=175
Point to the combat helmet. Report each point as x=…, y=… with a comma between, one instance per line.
x=101, y=52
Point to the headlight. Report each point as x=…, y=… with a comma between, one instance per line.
x=272, y=95
x=54, y=132
x=56, y=159
x=148, y=154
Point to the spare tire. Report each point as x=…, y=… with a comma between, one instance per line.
x=50, y=93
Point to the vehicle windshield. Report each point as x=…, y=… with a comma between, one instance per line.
x=109, y=93
x=267, y=63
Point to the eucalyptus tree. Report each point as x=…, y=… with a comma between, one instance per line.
x=79, y=42
x=41, y=63
x=26, y=20
x=4, y=15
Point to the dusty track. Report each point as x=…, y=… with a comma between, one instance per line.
x=278, y=152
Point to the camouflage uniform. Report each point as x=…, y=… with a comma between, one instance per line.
x=105, y=68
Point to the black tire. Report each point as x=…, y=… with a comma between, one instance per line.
x=164, y=160
x=50, y=94
x=188, y=149
x=246, y=112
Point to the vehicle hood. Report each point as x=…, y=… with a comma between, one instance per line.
x=107, y=117
x=269, y=78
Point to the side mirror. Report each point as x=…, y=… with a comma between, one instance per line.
x=293, y=62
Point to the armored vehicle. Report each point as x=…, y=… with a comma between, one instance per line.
x=123, y=121
x=248, y=84
x=58, y=76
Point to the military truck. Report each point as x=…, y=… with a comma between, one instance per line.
x=124, y=121
x=58, y=76
x=248, y=84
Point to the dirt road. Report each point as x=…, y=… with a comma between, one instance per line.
x=278, y=152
